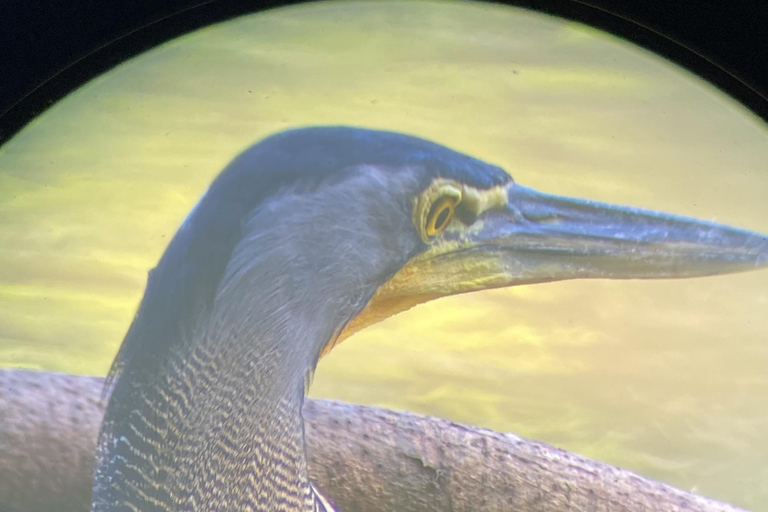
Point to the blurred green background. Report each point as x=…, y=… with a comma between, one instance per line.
x=669, y=379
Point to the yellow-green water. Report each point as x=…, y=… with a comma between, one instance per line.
x=669, y=379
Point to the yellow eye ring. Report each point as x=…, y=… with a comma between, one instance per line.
x=440, y=215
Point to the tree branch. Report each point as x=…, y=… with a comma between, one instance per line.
x=366, y=459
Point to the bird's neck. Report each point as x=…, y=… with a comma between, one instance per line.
x=220, y=427
x=244, y=440
x=206, y=413
x=235, y=392
x=222, y=430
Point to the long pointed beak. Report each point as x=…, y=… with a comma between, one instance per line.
x=542, y=237
x=536, y=237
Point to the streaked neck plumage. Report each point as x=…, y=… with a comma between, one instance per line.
x=218, y=427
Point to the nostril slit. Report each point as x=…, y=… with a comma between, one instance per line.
x=551, y=219
x=543, y=218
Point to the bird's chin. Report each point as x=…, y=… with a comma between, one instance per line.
x=428, y=278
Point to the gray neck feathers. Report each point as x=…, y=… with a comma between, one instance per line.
x=221, y=429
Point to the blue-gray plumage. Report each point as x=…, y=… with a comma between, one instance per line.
x=305, y=238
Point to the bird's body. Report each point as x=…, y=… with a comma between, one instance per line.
x=305, y=238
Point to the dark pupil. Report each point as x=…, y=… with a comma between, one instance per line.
x=442, y=217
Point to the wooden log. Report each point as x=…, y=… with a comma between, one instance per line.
x=366, y=459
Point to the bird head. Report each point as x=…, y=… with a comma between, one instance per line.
x=457, y=225
x=342, y=227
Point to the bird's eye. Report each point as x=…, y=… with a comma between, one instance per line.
x=440, y=215
x=435, y=207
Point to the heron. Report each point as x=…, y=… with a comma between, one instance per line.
x=305, y=238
